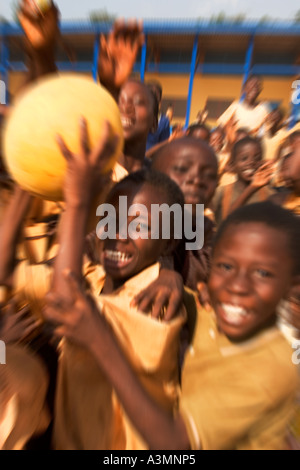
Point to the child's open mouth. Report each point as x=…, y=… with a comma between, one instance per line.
x=127, y=122
x=117, y=258
x=233, y=314
x=248, y=173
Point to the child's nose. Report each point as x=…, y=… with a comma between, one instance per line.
x=196, y=179
x=239, y=284
x=126, y=105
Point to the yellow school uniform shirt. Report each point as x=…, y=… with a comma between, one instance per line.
x=237, y=396
x=88, y=414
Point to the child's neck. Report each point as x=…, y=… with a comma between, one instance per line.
x=250, y=103
x=110, y=284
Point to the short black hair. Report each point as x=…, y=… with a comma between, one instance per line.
x=182, y=141
x=195, y=127
x=271, y=215
x=240, y=143
x=155, y=84
x=157, y=180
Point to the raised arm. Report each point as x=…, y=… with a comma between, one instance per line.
x=41, y=35
x=10, y=231
x=83, y=181
x=81, y=322
x=117, y=54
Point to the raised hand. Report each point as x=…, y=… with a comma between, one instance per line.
x=118, y=53
x=77, y=318
x=85, y=171
x=263, y=175
x=41, y=29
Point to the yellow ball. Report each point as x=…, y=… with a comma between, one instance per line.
x=50, y=107
x=43, y=5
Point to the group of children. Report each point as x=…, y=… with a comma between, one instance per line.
x=137, y=342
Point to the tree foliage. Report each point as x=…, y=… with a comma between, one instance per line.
x=101, y=16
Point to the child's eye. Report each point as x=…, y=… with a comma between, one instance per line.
x=224, y=267
x=263, y=273
x=180, y=169
x=138, y=101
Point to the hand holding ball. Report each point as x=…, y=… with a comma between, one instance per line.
x=54, y=106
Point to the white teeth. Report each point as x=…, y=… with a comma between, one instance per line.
x=126, y=121
x=116, y=256
x=249, y=172
x=234, y=314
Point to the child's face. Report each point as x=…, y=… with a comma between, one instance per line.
x=136, y=109
x=123, y=259
x=248, y=159
x=251, y=272
x=194, y=169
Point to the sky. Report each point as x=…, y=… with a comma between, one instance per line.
x=80, y=9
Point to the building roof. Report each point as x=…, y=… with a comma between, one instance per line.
x=169, y=42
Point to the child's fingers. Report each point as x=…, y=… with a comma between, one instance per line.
x=173, y=306
x=30, y=328
x=142, y=301
x=158, y=304
x=84, y=136
x=63, y=147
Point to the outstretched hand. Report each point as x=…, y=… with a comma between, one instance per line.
x=77, y=318
x=263, y=175
x=118, y=53
x=41, y=29
x=85, y=171
x=165, y=294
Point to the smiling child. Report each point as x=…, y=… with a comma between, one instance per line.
x=239, y=382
